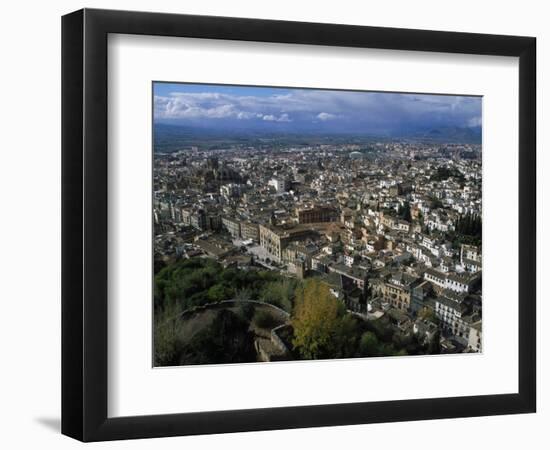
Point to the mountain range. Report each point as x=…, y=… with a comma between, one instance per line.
x=172, y=137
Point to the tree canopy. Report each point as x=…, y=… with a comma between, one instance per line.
x=404, y=212
x=322, y=327
x=196, y=281
x=444, y=173
x=315, y=320
x=468, y=228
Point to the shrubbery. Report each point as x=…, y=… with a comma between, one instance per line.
x=322, y=328
x=196, y=281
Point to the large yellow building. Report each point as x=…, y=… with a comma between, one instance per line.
x=276, y=239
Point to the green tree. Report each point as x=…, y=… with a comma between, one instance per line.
x=243, y=295
x=468, y=229
x=167, y=336
x=219, y=292
x=196, y=281
x=434, y=347
x=382, y=328
x=280, y=293
x=405, y=212
x=346, y=337
x=369, y=345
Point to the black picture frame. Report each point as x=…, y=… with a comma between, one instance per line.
x=84, y=224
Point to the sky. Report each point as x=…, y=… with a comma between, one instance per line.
x=310, y=110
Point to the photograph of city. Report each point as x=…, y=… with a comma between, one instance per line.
x=305, y=224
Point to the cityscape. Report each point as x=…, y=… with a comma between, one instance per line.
x=305, y=224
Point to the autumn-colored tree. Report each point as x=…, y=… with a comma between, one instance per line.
x=428, y=314
x=316, y=320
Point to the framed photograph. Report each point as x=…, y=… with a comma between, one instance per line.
x=273, y=224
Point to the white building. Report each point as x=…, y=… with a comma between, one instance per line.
x=281, y=184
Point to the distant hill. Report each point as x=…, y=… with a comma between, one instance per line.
x=453, y=134
x=168, y=138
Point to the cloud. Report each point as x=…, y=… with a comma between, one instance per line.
x=192, y=107
x=272, y=118
x=474, y=122
x=342, y=110
x=248, y=115
x=326, y=116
